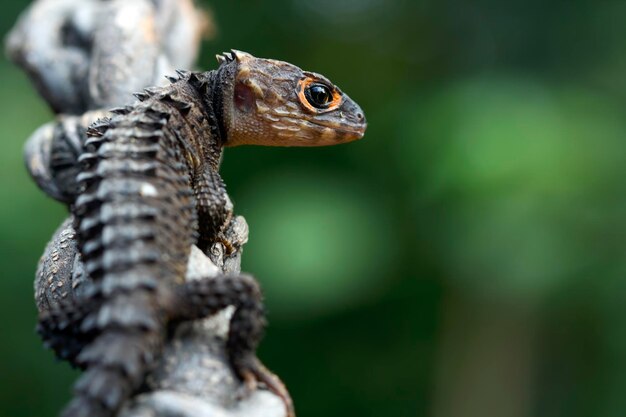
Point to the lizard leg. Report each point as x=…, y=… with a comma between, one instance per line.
x=59, y=282
x=215, y=211
x=60, y=329
x=204, y=297
x=54, y=280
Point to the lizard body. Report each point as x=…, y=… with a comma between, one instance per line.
x=148, y=188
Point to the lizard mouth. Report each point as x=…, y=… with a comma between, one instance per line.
x=353, y=133
x=345, y=133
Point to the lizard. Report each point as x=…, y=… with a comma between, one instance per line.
x=148, y=188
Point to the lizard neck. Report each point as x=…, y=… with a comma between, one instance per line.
x=209, y=89
x=218, y=86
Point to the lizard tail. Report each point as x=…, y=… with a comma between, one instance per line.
x=117, y=360
x=102, y=390
x=135, y=224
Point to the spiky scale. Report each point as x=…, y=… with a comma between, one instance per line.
x=182, y=106
x=182, y=74
x=141, y=96
x=99, y=127
x=240, y=55
x=195, y=78
x=121, y=110
x=152, y=90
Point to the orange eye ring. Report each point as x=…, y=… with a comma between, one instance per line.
x=317, y=97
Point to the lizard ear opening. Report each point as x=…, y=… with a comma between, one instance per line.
x=244, y=98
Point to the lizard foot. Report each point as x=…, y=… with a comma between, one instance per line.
x=254, y=373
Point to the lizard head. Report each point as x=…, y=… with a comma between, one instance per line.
x=269, y=102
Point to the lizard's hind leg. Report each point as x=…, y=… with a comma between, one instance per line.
x=204, y=297
x=54, y=281
x=60, y=329
x=58, y=286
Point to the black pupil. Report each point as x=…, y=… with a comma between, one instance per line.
x=319, y=95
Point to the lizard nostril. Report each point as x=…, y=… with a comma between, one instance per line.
x=359, y=116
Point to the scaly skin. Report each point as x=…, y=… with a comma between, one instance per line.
x=148, y=189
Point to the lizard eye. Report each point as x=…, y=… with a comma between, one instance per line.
x=318, y=95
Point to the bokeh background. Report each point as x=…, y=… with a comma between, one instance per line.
x=467, y=258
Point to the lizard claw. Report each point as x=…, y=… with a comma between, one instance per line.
x=253, y=373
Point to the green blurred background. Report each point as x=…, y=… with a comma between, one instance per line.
x=467, y=258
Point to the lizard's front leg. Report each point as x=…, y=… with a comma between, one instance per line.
x=203, y=297
x=215, y=210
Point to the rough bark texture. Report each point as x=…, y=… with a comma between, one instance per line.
x=91, y=54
